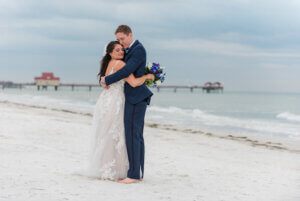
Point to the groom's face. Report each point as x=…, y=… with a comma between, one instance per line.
x=125, y=40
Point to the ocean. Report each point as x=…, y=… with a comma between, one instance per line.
x=238, y=113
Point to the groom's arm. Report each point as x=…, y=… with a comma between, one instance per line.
x=138, y=56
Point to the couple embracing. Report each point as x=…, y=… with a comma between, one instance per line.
x=117, y=149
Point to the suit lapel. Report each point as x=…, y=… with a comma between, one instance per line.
x=136, y=42
x=130, y=50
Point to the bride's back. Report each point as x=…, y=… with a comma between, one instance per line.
x=113, y=66
x=117, y=87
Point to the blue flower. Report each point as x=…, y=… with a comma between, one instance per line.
x=154, y=68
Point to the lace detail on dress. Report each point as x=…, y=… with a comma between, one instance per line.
x=108, y=171
x=108, y=153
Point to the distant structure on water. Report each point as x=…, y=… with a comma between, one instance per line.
x=8, y=84
x=208, y=87
x=213, y=86
x=47, y=79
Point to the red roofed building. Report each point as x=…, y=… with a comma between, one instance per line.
x=47, y=79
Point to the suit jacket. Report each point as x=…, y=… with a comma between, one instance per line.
x=135, y=61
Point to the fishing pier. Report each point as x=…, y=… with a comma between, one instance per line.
x=49, y=80
x=206, y=88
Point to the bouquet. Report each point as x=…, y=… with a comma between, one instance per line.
x=157, y=71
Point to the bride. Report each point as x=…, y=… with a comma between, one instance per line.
x=108, y=154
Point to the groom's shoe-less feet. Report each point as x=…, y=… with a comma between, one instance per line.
x=129, y=181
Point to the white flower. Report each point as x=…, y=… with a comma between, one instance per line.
x=149, y=65
x=158, y=82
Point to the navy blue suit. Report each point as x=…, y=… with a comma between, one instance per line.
x=136, y=101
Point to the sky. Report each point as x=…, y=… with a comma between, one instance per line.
x=249, y=45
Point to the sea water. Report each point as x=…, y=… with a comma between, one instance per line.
x=276, y=114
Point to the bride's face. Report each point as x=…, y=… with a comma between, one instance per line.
x=118, y=52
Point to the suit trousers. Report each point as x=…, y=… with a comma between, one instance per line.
x=134, y=117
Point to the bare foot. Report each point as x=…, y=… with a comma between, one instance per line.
x=128, y=181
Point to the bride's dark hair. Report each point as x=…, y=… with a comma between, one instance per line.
x=106, y=58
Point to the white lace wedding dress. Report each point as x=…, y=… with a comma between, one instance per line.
x=108, y=155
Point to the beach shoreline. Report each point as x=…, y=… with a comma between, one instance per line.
x=39, y=147
x=270, y=142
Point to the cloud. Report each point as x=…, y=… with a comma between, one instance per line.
x=223, y=48
x=203, y=36
x=279, y=66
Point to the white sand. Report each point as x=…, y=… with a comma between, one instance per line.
x=39, y=147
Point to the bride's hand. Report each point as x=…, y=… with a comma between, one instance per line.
x=102, y=83
x=150, y=77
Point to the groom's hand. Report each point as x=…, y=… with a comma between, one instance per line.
x=103, y=84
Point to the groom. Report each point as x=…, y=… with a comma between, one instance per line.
x=136, y=101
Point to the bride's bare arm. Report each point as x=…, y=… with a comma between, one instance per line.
x=133, y=81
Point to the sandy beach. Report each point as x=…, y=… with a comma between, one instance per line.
x=39, y=147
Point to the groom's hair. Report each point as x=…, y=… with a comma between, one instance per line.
x=123, y=29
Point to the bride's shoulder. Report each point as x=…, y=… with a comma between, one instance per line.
x=120, y=65
x=121, y=62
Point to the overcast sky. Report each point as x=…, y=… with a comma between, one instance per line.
x=250, y=45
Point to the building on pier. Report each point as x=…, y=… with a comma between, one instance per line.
x=47, y=79
x=213, y=86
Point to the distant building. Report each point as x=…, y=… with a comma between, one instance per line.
x=213, y=86
x=47, y=79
